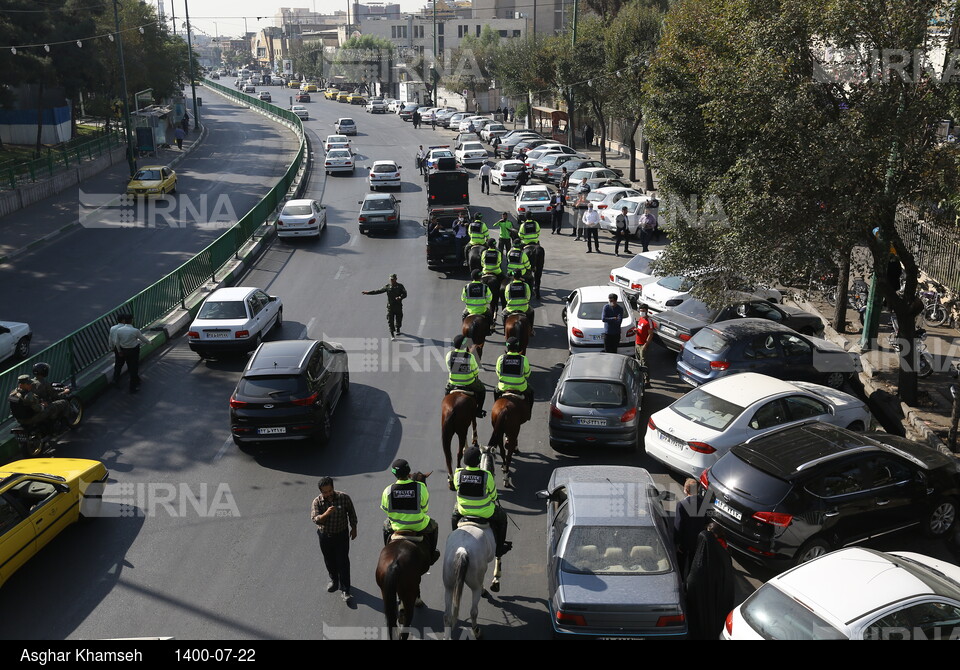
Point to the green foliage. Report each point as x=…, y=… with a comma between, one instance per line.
x=472, y=64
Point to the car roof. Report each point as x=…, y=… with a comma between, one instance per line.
x=595, y=490
x=744, y=327
x=279, y=357
x=595, y=365
x=378, y=196
x=746, y=388
x=384, y=162
x=151, y=167
x=850, y=583
x=600, y=293
x=345, y=118
x=510, y=161
x=232, y=293
x=301, y=201
x=608, y=190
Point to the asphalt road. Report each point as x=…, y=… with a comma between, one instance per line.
x=71, y=281
x=204, y=541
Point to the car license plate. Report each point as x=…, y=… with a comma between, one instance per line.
x=376, y=218
x=597, y=338
x=672, y=441
x=666, y=330
x=726, y=509
x=590, y=421
x=217, y=334
x=280, y=430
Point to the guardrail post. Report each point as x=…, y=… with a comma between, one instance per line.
x=183, y=289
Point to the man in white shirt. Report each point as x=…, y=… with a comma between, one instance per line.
x=485, y=178
x=125, y=342
x=591, y=227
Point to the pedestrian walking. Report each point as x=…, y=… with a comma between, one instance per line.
x=557, y=204
x=332, y=512
x=416, y=118
x=710, y=587
x=564, y=180
x=124, y=340
x=648, y=223
x=612, y=317
x=179, y=135
x=421, y=160
x=591, y=227
x=690, y=520
x=185, y=123
x=513, y=114
x=433, y=120
x=522, y=178
x=485, y=171
x=588, y=134
x=396, y=294
x=621, y=231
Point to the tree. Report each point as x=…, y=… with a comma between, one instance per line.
x=585, y=69
x=363, y=58
x=471, y=65
x=799, y=160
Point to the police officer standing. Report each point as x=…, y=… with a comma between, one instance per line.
x=406, y=504
x=477, y=497
x=396, y=294
x=506, y=232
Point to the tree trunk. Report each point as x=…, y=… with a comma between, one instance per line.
x=906, y=309
x=36, y=149
x=602, y=122
x=633, y=148
x=839, y=321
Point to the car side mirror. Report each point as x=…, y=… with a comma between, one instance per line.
x=543, y=495
x=273, y=298
x=674, y=302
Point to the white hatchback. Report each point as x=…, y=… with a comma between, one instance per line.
x=345, y=126
x=234, y=320
x=14, y=339
x=636, y=206
x=585, y=329
x=301, y=218
x=505, y=173
x=383, y=173
x=301, y=112
x=690, y=435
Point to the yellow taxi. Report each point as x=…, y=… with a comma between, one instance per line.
x=331, y=94
x=343, y=97
x=357, y=99
x=311, y=88
x=153, y=180
x=39, y=497
x=293, y=84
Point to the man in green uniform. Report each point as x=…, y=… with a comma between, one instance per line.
x=477, y=297
x=406, y=504
x=506, y=232
x=513, y=373
x=477, y=498
x=517, y=294
x=529, y=232
x=464, y=372
x=396, y=294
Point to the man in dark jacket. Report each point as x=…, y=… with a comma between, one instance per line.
x=710, y=592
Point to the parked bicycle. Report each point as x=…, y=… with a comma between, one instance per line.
x=934, y=312
x=924, y=357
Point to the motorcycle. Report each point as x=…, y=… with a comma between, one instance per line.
x=42, y=438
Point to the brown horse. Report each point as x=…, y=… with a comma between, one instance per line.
x=458, y=411
x=509, y=412
x=517, y=325
x=402, y=563
x=475, y=328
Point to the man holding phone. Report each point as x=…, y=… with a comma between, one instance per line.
x=332, y=512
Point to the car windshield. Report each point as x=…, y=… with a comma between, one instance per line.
x=147, y=175
x=346, y=122
x=593, y=394
x=376, y=204
x=776, y=616
x=591, y=311
x=496, y=126
x=441, y=154
x=535, y=196
x=580, y=174
x=384, y=168
x=697, y=309
x=337, y=138
x=297, y=210
x=512, y=167
x=614, y=550
x=640, y=264
x=707, y=410
x=595, y=196
x=270, y=387
x=339, y=153
x=708, y=340
x=223, y=309
x=680, y=284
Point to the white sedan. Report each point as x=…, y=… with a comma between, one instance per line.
x=338, y=160
x=234, y=320
x=533, y=202
x=471, y=153
x=669, y=292
x=636, y=206
x=505, y=173
x=690, y=435
x=301, y=218
x=493, y=130
x=301, y=112
x=607, y=197
x=582, y=316
x=384, y=173
x=335, y=139
x=14, y=340
x=637, y=273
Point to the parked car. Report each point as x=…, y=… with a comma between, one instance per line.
x=14, y=340
x=338, y=160
x=505, y=173
x=436, y=153
x=301, y=218
x=453, y=121
x=533, y=202
x=637, y=273
x=379, y=211
x=376, y=106
x=854, y=594
x=792, y=495
x=581, y=316
x=289, y=391
x=384, y=173
x=406, y=111
x=636, y=207
x=607, y=198
x=234, y=320
x=669, y=292
x=345, y=126
x=550, y=166
x=471, y=154
x=674, y=327
x=492, y=130
x=533, y=157
x=508, y=144
x=39, y=499
x=610, y=574
x=596, y=402
x=152, y=180
x=767, y=347
x=466, y=122
x=301, y=112
x=701, y=426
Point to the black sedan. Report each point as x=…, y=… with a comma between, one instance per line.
x=289, y=391
x=674, y=327
x=789, y=496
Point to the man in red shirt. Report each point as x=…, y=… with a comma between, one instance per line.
x=643, y=338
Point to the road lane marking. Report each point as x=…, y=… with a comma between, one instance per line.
x=223, y=449
x=309, y=326
x=353, y=241
x=423, y=323
x=339, y=272
x=386, y=435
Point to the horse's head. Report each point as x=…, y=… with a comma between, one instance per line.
x=420, y=477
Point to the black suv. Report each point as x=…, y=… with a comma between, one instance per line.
x=289, y=391
x=792, y=495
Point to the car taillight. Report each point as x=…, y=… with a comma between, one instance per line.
x=701, y=447
x=311, y=222
x=654, y=324
x=628, y=415
x=704, y=480
x=521, y=209
x=194, y=335
x=672, y=620
x=555, y=413
x=237, y=403
x=391, y=218
x=305, y=402
x=637, y=287
x=327, y=163
x=371, y=175
x=549, y=208
x=570, y=619
x=601, y=206
x=774, y=518
x=241, y=333
x=279, y=222
x=632, y=332
x=685, y=336
x=577, y=332
x=362, y=219
x=650, y=424
x=611, y=278
x=728, y=624
x=719, y=365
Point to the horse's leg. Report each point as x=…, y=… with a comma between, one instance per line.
x=495, y=584
x=511, y=444
x=473, y=423
x=447, y=439
x=476, y=592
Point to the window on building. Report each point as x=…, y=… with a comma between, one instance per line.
x=439, y=29
x=516, y=33
x=503, y=33
x=478, y=30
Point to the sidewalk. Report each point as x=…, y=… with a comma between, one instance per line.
x=30, y=227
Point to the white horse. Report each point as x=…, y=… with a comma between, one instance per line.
x=469, y=549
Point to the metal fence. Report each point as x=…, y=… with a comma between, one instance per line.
x=13, y=173
x=934, y=240
x=85, y=347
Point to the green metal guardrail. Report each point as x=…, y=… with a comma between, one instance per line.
x=12, y=173
x=85, y=347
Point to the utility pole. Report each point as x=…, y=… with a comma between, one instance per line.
x=436, y=56
x=193, y=85
x=131, y=160
x=571, y=133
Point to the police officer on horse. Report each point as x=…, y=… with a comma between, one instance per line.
x=477, y=499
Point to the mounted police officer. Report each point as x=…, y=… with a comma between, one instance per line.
x=492, y=260
x=513, y=373
x=406, y=503
x=464, y=373
x=479, y=233
x=529, y=232
x=396, y=294
x=517, y=294
x=517, y=261
x=476, y=297
x=477, y=498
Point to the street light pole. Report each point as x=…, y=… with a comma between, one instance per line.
x=436, y=56
x=131, y=160
x=193, y=85
x=571, y=133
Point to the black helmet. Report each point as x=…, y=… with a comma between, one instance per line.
x=518, y=274
x=41, y=370
x=458, y=341
x=478, y=217
x=471, y=456
x=400, y=468
x=491, y=244
x=513, y=344
x=476, y=274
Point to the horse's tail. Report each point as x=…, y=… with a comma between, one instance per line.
x=461, y=562
x=475, y=333
x=496, y=439
x=389, y=592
